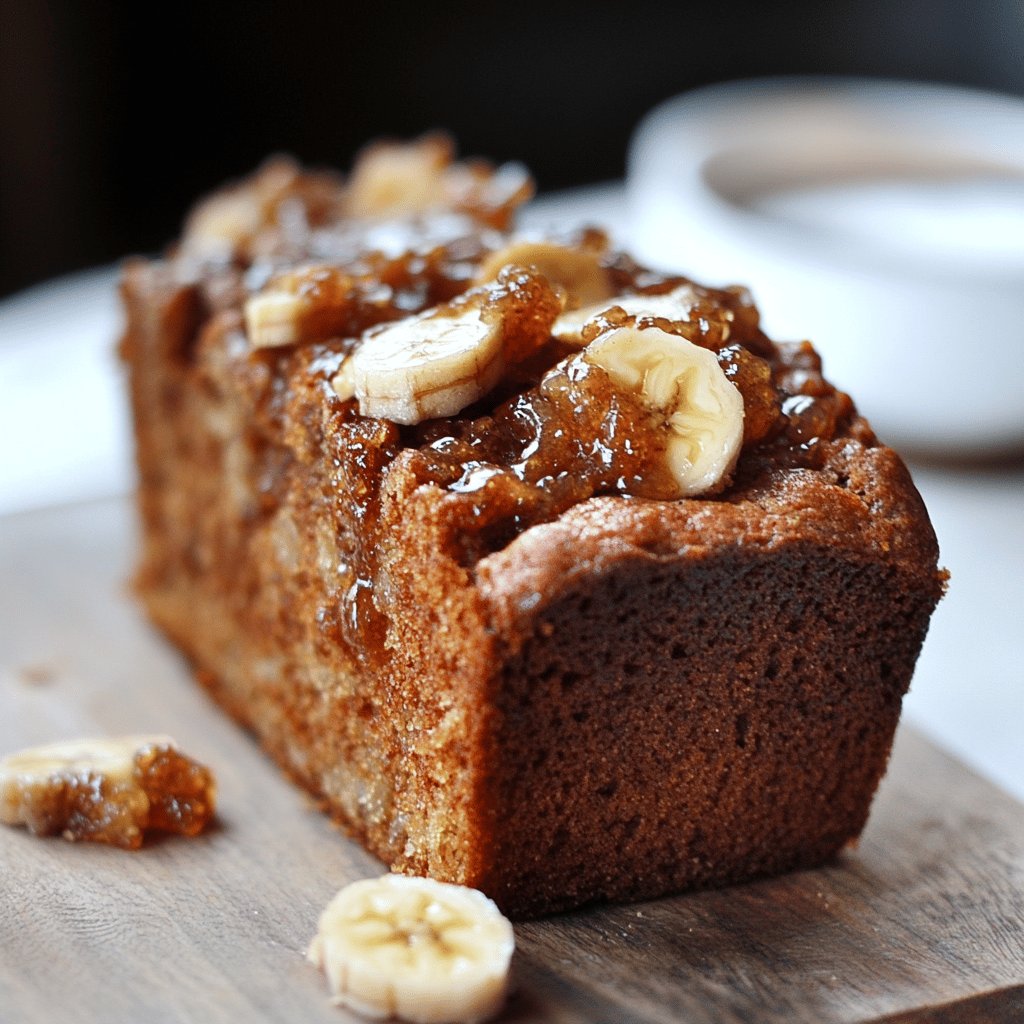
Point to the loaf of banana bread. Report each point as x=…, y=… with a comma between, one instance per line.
x=546, y=573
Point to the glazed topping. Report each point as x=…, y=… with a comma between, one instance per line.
x=392, y=179
x=691, y=401
x=440, y=362
x=641, y=410
x=576, y=272
x=400, y=199
x=237, y=221
x=558, y=365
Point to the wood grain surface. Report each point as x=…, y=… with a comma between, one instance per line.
x=923, y=923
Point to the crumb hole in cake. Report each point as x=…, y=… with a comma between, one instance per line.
x=539, y=759
x=581, y=716
x=559, y=839
x=626, y=691
x=772, y=669
x=609, y=789
x=629, y=827
x=630, y=668
x=742, y=726
x=677, y=652
x=549, y=674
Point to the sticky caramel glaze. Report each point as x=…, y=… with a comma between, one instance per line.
x=574, y=436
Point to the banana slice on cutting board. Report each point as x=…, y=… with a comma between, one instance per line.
x=683, y=384
x=113, y=759
x=425, y=367
x=673, y=305
x=106, y=790
x=413, y=948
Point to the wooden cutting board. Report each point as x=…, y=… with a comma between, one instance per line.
x=929, y=909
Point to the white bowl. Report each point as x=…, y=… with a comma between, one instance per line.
x=882, y=220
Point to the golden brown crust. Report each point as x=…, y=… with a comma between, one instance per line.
x=862, y=502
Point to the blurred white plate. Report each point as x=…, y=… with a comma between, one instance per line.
x=883, y=220
x=63, y=409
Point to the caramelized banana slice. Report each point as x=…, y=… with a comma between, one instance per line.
x=307, y=304
x=425, y=367
x=578, y=272
x=441, y=361
x=413, y=948
x=230, y=219
x=673, y=305
x=274, y=318
x=700, y=408
x=106, y=790
x=396, y=178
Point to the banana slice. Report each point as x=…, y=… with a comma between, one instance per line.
x=308, y=304
x=344, y=382
x=395, y=179
x=274, y=318
x=420, y=950
x=106, y=790
x=230, y=219
x=578, y=272
x=223, y=223
x=685, y=385
x=424, y=367
x=673, y=305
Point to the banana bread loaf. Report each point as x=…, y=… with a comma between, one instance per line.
x=548, y=574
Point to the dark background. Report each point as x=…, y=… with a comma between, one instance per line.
x=113, y=117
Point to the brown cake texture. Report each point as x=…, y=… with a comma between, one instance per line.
x=494, y=644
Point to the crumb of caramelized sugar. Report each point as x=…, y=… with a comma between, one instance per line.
x=106, y=790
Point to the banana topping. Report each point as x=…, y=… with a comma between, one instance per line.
x=440, y=361
x=230, y=219
x=701, y=409
x=413, y=948
x=392, y=179
x=578, y=272
x=105, y=790
x=308, y=304
x=274, y=318
x=673, y=305
x=425, y=367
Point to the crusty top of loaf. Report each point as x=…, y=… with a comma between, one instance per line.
x=810, y=467
x=860, y=504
